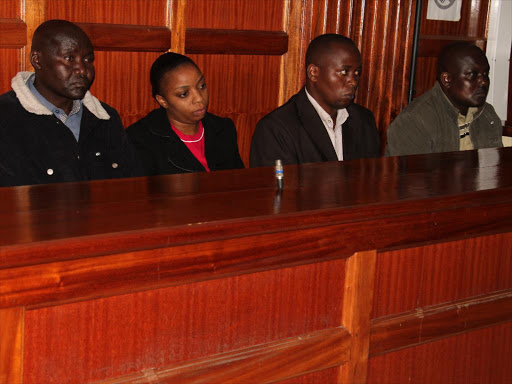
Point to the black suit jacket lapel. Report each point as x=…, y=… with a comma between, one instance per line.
x=351, y=138
x=314, y=127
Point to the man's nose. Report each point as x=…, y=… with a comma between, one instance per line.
x=79, y=66
x=483, y=80
x=352, y=79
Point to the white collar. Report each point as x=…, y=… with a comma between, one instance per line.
x=341, y=117
x=32, y=105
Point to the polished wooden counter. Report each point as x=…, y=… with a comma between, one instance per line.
x=381, y=271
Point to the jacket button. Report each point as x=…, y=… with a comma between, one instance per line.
x=115, y=165
x=49, y=171
x=98, y=153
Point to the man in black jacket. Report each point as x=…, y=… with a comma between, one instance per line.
x=51, y=128
x=321, y=122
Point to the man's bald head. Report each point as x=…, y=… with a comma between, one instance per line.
x=63, y=59
x=463, y=74
x=452, y=55
x=322, y=46
x=49, y=33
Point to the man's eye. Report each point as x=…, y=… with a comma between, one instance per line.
x=470, y=75
x=344, y=72
x=89, y=59
x=202, y=86
x=68, y=58
x=183, y=95
x=357, y=73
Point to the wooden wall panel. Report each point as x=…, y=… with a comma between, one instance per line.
x=229, y=307
x=472, y=23
x=480, y=357
x=122, y=80
x=385, y=46
x=235, y=14
x=325, y=376
x=138, y=12
x=10, y=9
x=471, y=267
x=244, y=88
x=10, y=59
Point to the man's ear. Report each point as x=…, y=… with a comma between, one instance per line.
x=160, y=100
x=446, y=79
x=312, y=72
x=35, y=58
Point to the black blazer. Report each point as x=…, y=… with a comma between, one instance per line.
x=162, y=152
x=295, y=134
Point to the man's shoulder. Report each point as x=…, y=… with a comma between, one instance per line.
x=359, y=110
x=8, y=99
x=285, y=114
x=426, y=103
x=10, y=108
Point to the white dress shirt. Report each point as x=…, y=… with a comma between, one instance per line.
x=335, y=133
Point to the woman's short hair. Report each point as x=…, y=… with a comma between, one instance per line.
x=167, y=62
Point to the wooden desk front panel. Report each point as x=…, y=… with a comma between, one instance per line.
x=104, y=338
x=427, y=290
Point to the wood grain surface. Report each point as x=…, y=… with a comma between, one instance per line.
x=157, y=328
x=265, y=363
x=12, y=332
x=426, y=324
x=480, y=357
x=13, y=33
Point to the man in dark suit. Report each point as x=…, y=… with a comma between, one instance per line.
x=321, y=122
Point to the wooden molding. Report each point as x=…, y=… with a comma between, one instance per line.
x=119, y=37
x=424, y=325
x=265, y=363
x=176, y=22
x=507, y=129
x=431, y=45
x=11, y=345
x=357, y=307
x=234, y=42
x=13, y=33
x=46, y=284
x=35, y=14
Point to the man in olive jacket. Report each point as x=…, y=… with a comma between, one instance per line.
x=453, y=115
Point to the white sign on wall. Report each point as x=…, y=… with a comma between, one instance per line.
x=448, y=10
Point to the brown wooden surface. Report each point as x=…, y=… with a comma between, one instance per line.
x=427, y=324
x=13, y=33
x=357, y=306
x=209, y=275
x=11, y=345
x=264, y=363
x=480, y=357
x=233, y=42
x=118, y=37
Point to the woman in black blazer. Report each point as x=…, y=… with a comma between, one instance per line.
x=181, y=136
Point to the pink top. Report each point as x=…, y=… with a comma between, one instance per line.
x=195, y=144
